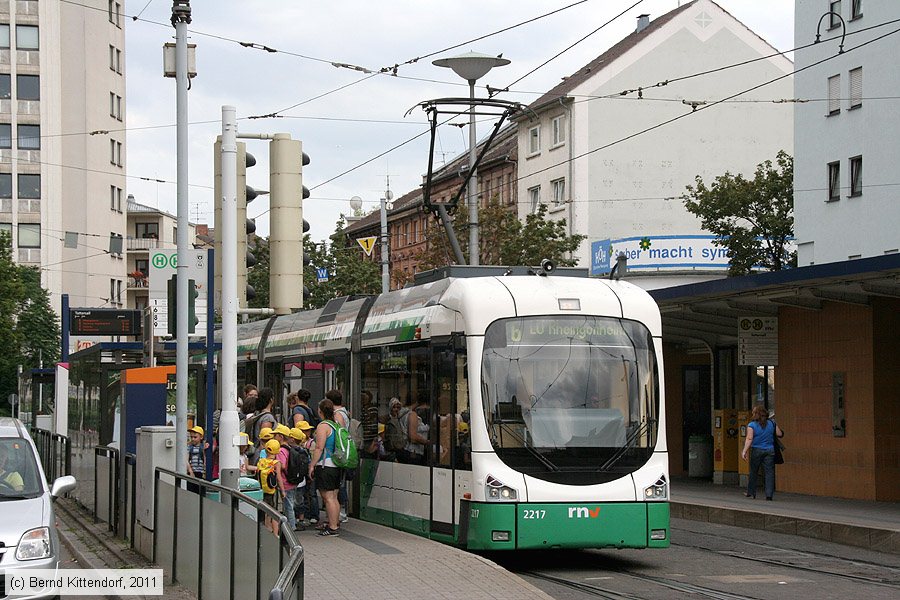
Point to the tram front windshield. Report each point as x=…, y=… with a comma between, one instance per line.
x=569, y=395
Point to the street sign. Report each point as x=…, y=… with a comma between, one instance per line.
x=163, y=264
x=757, y=341
x=104, y=321
x=367, y=243
x=322, y=275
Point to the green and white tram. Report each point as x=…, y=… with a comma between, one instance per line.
x=540, y=397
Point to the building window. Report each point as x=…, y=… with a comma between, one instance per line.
x=115, y=13
x=29, y=235
x=112, y=291
x=112, y=197
x=5, y=86
x=29, y=137
x=115, y=106
x=142, y=265
x=115, y=59
x=27, y=37
x=558, y=187
x=7, y=229
x=856, y=87
x=856, y=9
x=29, y=186
x=118, y=61
x=558, y=126
x=835, y=8
x=5, y=135
x=115, y=153
x=834, y=95
x=856, y=176
x=534, y=140
x=146, y=230
x=28, y=87
x=5, y=185
x=4, y=36
x=834, y=181
x=534, y=197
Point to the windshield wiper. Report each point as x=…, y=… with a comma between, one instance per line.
x=629, y=442
x=534, y=452
x=18, y=496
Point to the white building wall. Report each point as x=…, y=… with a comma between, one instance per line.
x=85, y=81
x=866, y=225
x=633, y=187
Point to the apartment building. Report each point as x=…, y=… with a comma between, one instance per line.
x=847, y=138
x=62, y=145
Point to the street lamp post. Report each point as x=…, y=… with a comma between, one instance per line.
x=471, y=67
x=385, y=261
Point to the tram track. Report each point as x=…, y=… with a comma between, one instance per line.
x=601, y=592
x=785, y=563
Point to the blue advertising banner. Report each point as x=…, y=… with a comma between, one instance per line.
x=660, y=252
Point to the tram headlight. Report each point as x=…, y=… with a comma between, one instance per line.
x=657, y=491
x=495, y=490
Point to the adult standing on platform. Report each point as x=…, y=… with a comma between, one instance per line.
x=326, y=473
x=760, y=444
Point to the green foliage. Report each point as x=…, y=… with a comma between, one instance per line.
x=504, y=239
x=28, y=325
x=350, y=272
x=258, y=274
x=752, y=219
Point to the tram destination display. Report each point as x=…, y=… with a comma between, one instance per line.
x=104, y=321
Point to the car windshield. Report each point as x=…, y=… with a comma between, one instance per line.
x=19, y=475
x=570, y=392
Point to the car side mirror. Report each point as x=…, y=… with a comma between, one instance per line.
x=62, y=485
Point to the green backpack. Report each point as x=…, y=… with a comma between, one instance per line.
x=345, y=455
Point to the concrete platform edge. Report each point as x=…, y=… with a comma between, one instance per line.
x=839, y=533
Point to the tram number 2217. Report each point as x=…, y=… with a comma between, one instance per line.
x=533, y=514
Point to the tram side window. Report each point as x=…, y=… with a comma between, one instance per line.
x=396, y=373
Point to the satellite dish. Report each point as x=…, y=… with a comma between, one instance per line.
x=356, y=203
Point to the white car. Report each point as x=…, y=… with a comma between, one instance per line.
x=28, y=538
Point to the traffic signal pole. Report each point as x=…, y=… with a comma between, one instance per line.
x=181, y=17
x=229, y=467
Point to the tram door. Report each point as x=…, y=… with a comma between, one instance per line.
x=441, y=433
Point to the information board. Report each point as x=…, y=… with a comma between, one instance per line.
x=163, y=264
x=104, y=321
x=757, y=341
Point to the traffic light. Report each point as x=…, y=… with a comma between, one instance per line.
x=172, y=305
x=286, y=223
x=193, y=321
x=245, y=226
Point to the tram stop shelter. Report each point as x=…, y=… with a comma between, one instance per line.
x=833, y=375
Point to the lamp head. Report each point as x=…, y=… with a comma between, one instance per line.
x=471, y=66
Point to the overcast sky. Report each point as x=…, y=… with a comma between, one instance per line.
x=346, y=128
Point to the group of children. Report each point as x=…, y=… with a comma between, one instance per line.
x=280, y=461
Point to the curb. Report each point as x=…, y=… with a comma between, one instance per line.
x=878, y=540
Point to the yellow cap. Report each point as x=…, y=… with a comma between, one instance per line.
x=298, y=435
x=272, y=448
x=380, y=428
x=282, y=429
x=265, y=433
x=463, y=427
x=305, y=426
x=196, y=429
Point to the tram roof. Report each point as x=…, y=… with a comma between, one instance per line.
x=708, y=311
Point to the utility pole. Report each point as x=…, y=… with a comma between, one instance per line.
x=181, y=17
x=229, y=467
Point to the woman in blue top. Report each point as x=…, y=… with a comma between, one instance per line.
x=321, y=467
x=760, y=444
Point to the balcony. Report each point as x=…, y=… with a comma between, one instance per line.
x=137, y=244
x=138, y=281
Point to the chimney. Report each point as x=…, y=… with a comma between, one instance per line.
x=643, y=22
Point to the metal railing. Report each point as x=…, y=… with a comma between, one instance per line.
x=106, y=477
x=203, y=528
x=55, y=453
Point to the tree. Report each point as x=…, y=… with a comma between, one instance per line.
x=258, y=274
x=349, y=272
x=752, y=219
x=505, y=240
x=28, y=325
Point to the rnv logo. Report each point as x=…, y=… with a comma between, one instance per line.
x=583, y=512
